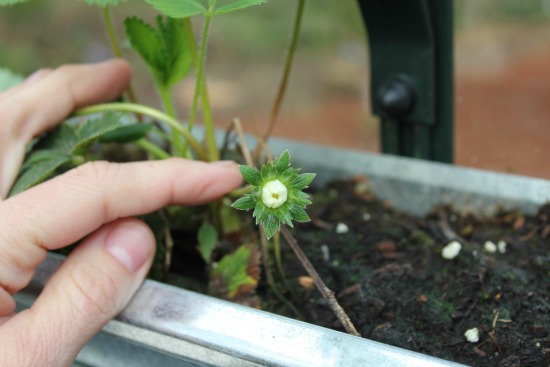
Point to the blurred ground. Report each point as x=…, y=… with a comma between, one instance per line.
x=502, y=64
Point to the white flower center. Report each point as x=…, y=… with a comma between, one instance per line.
x=274, y=194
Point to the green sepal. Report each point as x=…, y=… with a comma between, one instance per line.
x=281, y=163
x=251, y=175
x=283, y=215
x=302, y=181
x=298, y=214
x=300, y=198
x=271, y=225
x=261, y=212
x=247, y=202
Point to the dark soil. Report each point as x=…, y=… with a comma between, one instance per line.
x=389, y=275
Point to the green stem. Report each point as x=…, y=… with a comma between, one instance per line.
x=115, y=47
x=152, y=149
x=269, y=275
x=200, y=71
x=288, y=66
x=147, y=111
x=279, y=260
x=178, y=149
x=209, y=130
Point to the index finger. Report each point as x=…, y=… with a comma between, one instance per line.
x=63, y=210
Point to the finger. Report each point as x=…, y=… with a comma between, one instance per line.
x=65, y=209
x=42, y=104
x=92, y=286
x=34, y=77
x=39, y=105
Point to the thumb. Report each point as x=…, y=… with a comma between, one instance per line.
x=91, y=287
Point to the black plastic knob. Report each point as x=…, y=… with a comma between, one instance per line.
x=396, y=98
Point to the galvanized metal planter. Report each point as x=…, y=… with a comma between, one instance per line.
x=167, y=326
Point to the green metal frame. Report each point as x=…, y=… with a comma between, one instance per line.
x=411, y=51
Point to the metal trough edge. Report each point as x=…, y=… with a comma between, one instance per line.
x=416, y=186
x=168, y=326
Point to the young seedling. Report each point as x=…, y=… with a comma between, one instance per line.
x=277, y=199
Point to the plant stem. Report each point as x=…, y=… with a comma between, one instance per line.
x=147, y=111
x=115, y=47
x=152, y=149
x=325, y=291
x=288, y=66
x=177, y=148
x=279, y=259
x=209, y=132
x=269, y=275
x=240, y=192
x=199, y=64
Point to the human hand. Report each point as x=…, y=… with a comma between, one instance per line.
x=94, y=202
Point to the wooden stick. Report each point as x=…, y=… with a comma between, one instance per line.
x=325, y=291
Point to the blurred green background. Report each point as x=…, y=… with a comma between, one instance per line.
x=502, y=68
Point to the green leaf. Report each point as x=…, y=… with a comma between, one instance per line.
x=233, y=269
x=11, y=2
x=92, y=130
x=302, y=181
x=103, y=3
x=251, y=175
x=41, y=155
x=271, y=225
x=281, y=163
x=177, y=49
x=165, y=49
x=74, y=139
x=39, y=171
x=147, y=42
x=246, y=202
x=208, y=237
x=126, y=134
x=178, y=8
x=9, y=79
x=64, y=138
x=240, y=4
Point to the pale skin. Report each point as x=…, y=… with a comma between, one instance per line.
x=94, y=203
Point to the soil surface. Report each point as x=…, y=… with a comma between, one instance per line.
x=389, y=275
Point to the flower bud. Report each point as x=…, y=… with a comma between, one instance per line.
x=274, y=194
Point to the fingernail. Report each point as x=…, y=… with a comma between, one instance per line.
x=130, y=244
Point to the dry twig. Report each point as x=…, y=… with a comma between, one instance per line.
x=325, y=291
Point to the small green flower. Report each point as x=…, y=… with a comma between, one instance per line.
x=277, y=195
